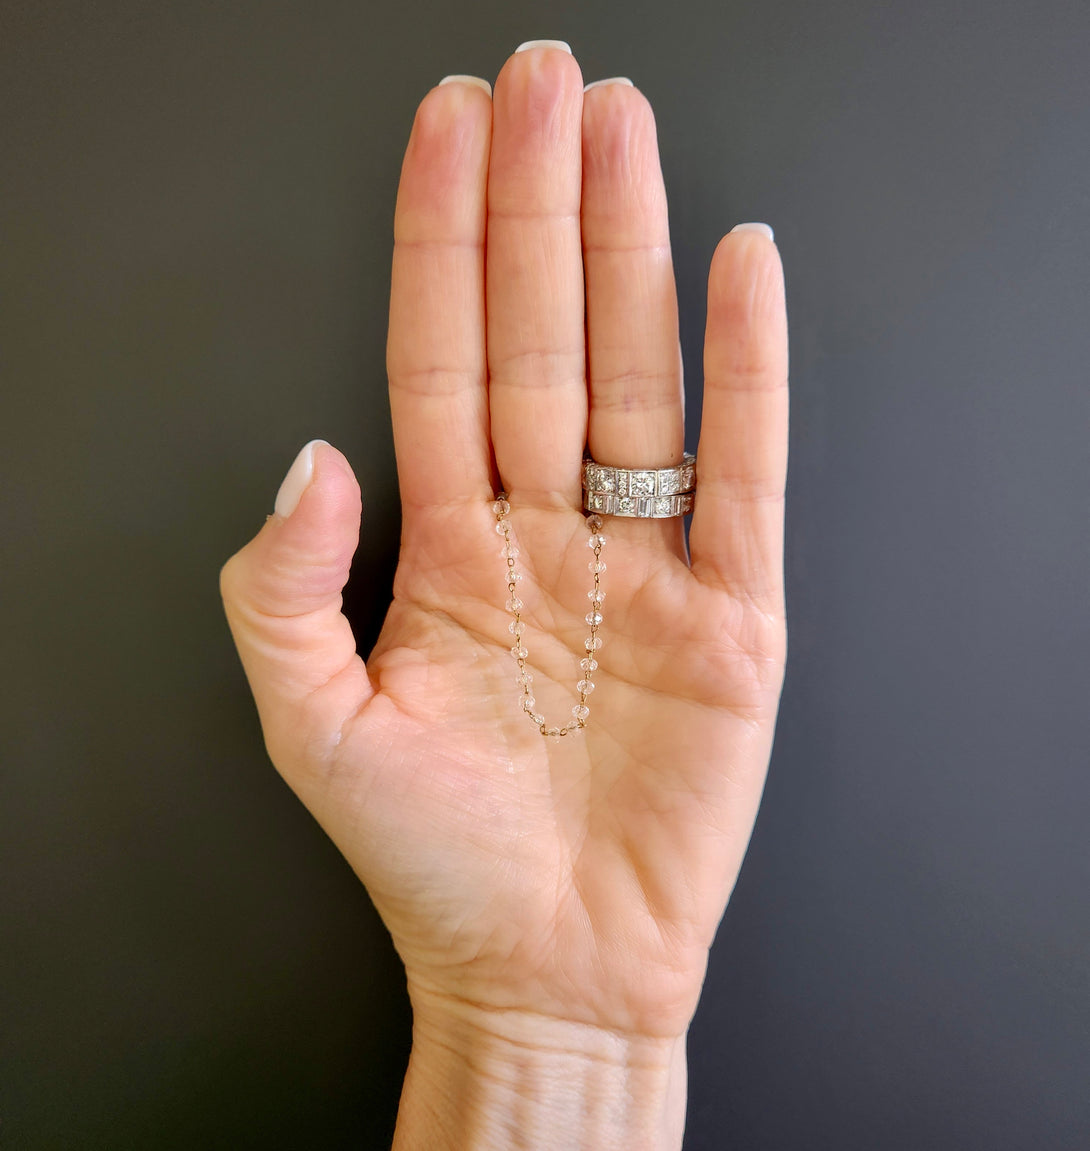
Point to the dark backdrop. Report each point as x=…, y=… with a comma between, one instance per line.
x=195, y=216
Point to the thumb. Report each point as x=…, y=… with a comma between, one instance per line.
x=282, y=596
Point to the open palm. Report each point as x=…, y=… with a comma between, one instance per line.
x=533, y=317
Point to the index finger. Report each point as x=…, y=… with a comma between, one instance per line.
x=435, y=351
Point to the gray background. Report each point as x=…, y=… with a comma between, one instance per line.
x=195, y=210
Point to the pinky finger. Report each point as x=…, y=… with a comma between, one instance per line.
x=737, y=530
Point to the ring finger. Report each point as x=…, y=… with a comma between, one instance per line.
x=634, y=362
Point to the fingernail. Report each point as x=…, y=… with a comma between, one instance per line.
x=296, y=481
x=544, y=44
x=764, y=229
x=467, y=80
x=611, y=80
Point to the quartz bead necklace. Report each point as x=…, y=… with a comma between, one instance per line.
x=589, y=664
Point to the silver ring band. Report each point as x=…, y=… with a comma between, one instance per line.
x=643, y=493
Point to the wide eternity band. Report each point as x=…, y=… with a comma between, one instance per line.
x=643, y=493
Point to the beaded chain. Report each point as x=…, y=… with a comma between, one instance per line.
x=591, y=644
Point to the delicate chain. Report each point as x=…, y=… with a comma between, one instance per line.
x=591, y=644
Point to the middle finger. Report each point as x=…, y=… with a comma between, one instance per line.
x=534, y=277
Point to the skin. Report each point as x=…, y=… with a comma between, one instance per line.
x=553, y=900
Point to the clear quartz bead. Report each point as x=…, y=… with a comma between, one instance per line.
x=588, y=664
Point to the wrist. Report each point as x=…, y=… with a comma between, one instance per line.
x=489, y=1079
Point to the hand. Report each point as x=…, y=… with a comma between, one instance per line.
x=538, y=887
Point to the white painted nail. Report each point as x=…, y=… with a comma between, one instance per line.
x=611, y=80
x=764, y=229
x=467, y=80
x=296, y=481
x=544, y=44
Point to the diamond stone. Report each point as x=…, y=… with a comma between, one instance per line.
x=664, y=506
x=641, y=484
x=626, y=506
x=668, y=482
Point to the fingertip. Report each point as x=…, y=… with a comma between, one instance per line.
x=452, y=114
x=473, y=81
x=544, y=73
x=756, y=228
x=529, y=45
x=325, y=515
x=319, y=464
x=296, y=482
x=751, y=243
x=304, y=550
x=620, y=139
x=333, y=471
x=444, y=173
x=746, y=277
